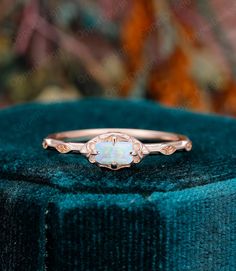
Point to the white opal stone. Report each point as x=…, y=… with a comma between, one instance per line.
x=118, y=153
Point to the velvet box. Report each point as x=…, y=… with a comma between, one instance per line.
x=168, y=213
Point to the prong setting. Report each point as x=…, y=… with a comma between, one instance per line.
x=118, y=150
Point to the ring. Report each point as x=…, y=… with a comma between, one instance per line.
x=117, y=148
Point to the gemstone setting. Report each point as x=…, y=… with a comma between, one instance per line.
x=114, y=153
x=114, y=150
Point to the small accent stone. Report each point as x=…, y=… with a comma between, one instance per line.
x=110, y=153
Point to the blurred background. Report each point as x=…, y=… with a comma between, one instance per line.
x=179, y=53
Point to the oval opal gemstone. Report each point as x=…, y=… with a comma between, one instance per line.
x=117, y=153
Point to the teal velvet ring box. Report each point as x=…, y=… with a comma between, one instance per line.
x=171, y=213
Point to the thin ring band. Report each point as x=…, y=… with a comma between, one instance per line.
x=100, y=138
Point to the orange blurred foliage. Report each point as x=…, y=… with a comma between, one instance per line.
x=170, y=81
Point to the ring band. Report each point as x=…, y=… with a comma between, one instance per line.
x=117, y=148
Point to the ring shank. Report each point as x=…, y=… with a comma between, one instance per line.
x=138, y=133
x=171, y=139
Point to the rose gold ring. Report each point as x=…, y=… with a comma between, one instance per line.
x=117, y=148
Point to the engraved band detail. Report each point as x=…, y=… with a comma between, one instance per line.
x=117, y=148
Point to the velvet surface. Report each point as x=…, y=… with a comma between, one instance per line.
x=212, y=159
x=193, y=229
x=59, y=212
x=22, y=225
